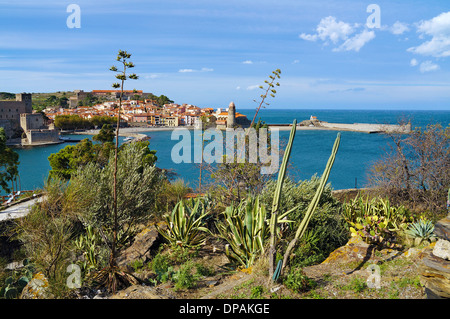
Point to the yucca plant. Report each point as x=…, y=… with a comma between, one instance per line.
x=246, y=230
x=421, y=230
x=184, y=225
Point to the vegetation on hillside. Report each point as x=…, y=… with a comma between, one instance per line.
x=99, y=196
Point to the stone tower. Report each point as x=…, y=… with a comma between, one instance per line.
x=231, y=121
x=26, y=98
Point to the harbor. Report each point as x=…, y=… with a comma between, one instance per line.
x=314, y=124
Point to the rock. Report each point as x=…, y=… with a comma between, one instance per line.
x=434, y=274
x=142, y=292
x=144, y=243
x=37, y=288
x=412, y=252
x=442, y=249
x=355, y=249
x=442, y=228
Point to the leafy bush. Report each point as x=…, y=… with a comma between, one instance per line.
x=297, y=281
x=90, y=194
x=184, y=277
x=161, y=265
x=47, y=232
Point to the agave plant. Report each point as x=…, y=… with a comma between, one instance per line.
x=184, y=225
x=421, y=230
x=246, y=230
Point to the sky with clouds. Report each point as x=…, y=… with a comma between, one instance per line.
x=333, y=54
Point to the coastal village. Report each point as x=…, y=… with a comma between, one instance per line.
x=138, y=109
x=27, y=127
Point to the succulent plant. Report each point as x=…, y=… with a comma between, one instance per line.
x=421, y=230
x=185, y=224
x=13, y=285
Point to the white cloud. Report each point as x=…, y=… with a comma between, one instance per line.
x=328, y=28
x=428, y=66
x=247, y=62
x=192, y=70
x=331, y=30
x=308, y=37
x=413, y=62
x=399, y=28
x=252, y=87
x=356, y=42
x=438, y=28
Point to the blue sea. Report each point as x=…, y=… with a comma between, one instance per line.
x=311, y=149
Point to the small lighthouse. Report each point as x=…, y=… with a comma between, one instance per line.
x=231, y=121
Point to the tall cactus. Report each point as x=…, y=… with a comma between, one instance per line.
x=276, y=198
x=313, y=205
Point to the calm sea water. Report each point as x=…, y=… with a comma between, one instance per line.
x=310, y=152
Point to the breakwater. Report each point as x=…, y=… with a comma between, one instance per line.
x=352, y=127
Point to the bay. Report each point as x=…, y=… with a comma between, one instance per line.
x=311, y=149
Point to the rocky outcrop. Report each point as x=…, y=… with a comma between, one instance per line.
x=442, y=228
x=442, y=249
x=435, y=265
x=434, y=275
x=144, y=244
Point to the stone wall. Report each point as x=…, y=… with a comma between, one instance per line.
x=35, y=137
x=32, y=121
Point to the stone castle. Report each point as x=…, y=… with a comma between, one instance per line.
x=22, y=126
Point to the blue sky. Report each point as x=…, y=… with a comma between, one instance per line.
x=209, y=53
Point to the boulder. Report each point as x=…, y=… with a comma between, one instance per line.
x=442, y=228
x=355, y=249
x=442, y=249
x=37, y=288
x=144, y=243
x=434, y=274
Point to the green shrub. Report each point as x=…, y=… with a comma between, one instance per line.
x=184, y=277
x=161, y=266
x=257, y=292
x=297, y=281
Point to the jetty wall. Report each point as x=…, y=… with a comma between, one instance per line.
x=353, y=127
